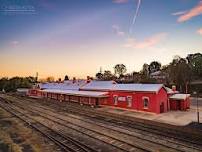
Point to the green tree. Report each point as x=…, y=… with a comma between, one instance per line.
x=195, y=61
x=154, y=66
x=108, y=75
x=66, y=78
x=3, y=83
x=16, y=82
x=120, y=69
x=99, y=76
x=50, y=79
x=180, y=73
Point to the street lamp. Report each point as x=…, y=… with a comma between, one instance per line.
x=197, y=108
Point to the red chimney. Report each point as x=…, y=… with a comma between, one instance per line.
x=88, y=79
x=174, y=88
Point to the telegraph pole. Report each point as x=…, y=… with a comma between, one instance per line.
x=197, y=107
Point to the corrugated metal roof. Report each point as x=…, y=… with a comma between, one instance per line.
x=102, y=85
x=179, y=96
x=99, y=85
x=78, y=93
x=139, y=87
x=63, y=86
x=110, y=85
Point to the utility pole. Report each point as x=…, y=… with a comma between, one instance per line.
x=100, y=69
x=37, y=74
x=197, y=107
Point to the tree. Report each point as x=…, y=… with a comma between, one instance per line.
x=144, y=75
x=195, y=61
x=108, y=75
x=66, y=78
x=154, y=66
x=3, y=83
x=50, y=79
x=180, y=73
x=16, y=82
x=145, y=70
x=59, y=80
x=99, y=76
x=120, y=69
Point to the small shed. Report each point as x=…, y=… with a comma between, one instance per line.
x=179, y=101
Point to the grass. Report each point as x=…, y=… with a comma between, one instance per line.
x=16, y=136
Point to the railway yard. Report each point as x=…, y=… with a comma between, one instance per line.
x=64, y=126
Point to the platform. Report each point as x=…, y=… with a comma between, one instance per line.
x=179, y=118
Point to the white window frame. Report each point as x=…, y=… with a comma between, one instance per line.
x=143, y=99
x=115, y=99
x=129, y=100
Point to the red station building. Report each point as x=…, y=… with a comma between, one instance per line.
x=153, y=98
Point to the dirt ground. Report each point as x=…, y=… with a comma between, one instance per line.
x=15, y=136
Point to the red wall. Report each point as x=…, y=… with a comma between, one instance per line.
x=137, y=100
x=155, y=100
x=162, y=98
x=180, y=104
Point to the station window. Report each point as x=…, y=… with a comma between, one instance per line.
x=129, y=100
x=145, y=102
x=115, y=99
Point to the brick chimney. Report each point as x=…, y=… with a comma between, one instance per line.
x=174, y=88
x=88, y=79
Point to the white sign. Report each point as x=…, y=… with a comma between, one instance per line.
x=121, y=98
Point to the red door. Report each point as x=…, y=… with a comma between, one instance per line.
x=162, y=107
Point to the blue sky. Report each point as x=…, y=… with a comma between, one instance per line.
x=77, y=37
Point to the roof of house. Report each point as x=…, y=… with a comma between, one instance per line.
x=63, y=86
x=139, y=87
x=78, y=93
x=179, y=96
x=111, y=85
x=99, y=85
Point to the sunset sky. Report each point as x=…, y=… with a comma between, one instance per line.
x=77, y=37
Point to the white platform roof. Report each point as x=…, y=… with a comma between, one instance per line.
x=179, y=96
x=78, y=93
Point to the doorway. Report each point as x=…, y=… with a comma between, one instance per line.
x=161, y=107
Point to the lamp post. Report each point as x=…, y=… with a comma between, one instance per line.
x=197, y=108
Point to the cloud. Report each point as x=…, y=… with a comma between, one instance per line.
x=200, y=31
x=120, y=1
x=14, y=42
x=187, y=15
x=179, y=13
x=147, y=43
x=117, y=30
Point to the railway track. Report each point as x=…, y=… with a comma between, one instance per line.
x=64, y=142
x=187, y=135
x=109, y=120
x=169, y=143
x=121, y=145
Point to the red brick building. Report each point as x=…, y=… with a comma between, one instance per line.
x=153, y=98
x=143, y=97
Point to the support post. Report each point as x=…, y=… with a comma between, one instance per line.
x=197, y=107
